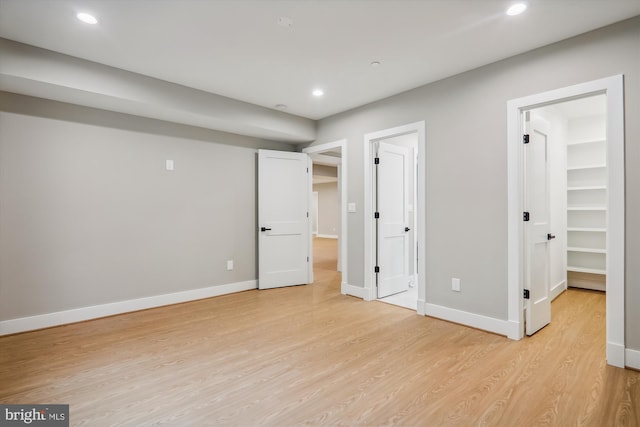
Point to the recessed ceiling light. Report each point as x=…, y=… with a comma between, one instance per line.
x=375, y=64
x=516, y=9
x=317, y=92
x=87, y=18
x=281, y=107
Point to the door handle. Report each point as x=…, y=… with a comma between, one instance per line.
x=550, y=236
x=264, y=229
x=407, y=229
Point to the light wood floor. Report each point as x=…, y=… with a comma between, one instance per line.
x=307, y=355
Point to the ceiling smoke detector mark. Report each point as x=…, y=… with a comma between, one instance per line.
x=516, y=9
x=87, y=18
x=285, y=22
x=317, y=93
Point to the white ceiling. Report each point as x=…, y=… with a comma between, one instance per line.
x=237, y=49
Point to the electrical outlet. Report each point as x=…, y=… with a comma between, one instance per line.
x=455, y=284
x=230, y=264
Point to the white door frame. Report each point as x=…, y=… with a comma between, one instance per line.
x=342, y=182
x=615, y=305
x=369, y=224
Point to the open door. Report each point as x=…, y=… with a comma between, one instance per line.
x=392, y=207
x=537, y=233
x=284, y=227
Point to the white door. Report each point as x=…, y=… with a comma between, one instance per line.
x=392, y=200
x=537, y=232
x=284, y=186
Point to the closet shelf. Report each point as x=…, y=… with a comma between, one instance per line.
x=586, y=270
x=588, y=229
x=588, y=187
x=576, y=168
x=586, y=208
x=588, y=141
x=589, y=250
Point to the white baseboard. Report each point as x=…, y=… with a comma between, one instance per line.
x=615, y=354
x=327, y=236
x=354, y=291
x=632, y=358
x=47, y=320
x=501, y=327
x=421, y=307
x=558, y=289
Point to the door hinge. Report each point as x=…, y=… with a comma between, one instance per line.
x=376, y=161
x=376, y=215
x=307, y=214
x=526, y=294
x=525, y=216
x=376, y=269
x=525, y=138
x=307, y=259
x=307, y=170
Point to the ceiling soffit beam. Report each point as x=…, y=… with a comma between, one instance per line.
x=42, y=73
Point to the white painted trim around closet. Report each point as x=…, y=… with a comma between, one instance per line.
x=615, y=307
x=48, y=320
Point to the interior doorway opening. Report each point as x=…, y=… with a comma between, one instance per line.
x=572, y=139
x=586, y=190
x=394, y=238
x=330, y=185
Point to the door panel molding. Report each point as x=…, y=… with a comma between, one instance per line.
x=284, y=226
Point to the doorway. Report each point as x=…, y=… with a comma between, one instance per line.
x=407, y=222
x=332, y=157
x=613, y=199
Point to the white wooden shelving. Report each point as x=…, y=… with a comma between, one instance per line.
x=586, y=212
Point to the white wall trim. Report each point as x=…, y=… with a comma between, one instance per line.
x=419, y=128
x=342, y=182
x=355, y=291
x=614, y=89
x=422, y=310
x=502, y=327
x=93, y=312
x=327, y=236
x=558, y=289
x=632, y=358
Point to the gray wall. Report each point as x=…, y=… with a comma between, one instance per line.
x=89, y=215
x=328, y=208
x=466, y=157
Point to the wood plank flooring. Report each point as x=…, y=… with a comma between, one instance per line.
x=307, y=355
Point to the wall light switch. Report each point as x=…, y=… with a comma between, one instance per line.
x=230, y=264
x=351, y=207
x=455, y=284
x=169, y=165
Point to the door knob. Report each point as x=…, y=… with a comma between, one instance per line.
x=550, y=236
x=407, y=229
x=264, y=229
